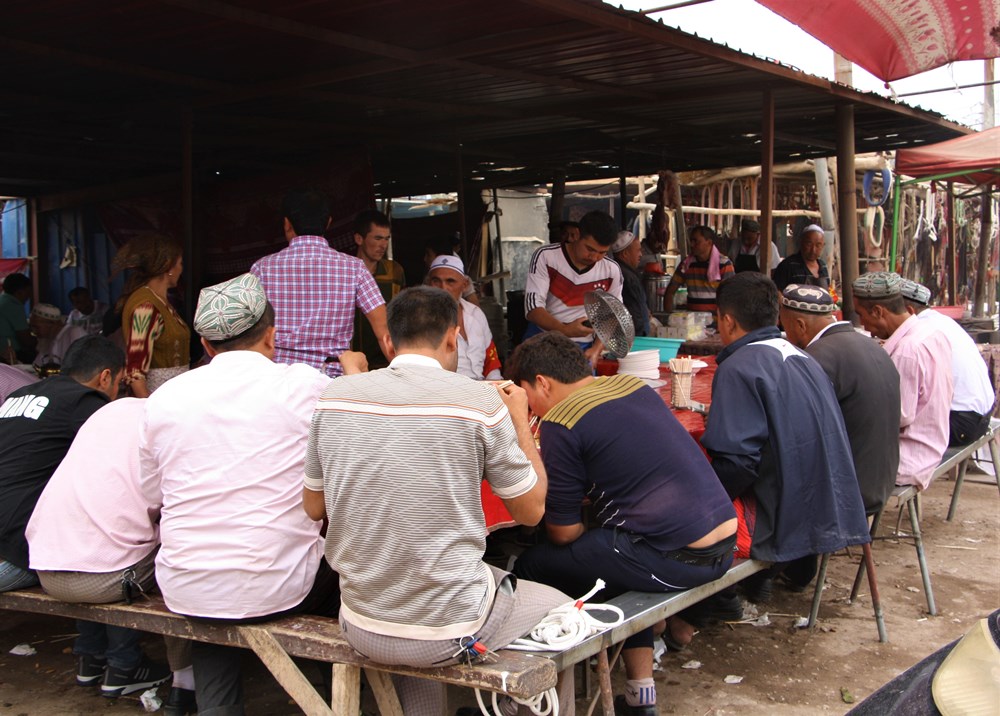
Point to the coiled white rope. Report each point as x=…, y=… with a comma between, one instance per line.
x=565, y=626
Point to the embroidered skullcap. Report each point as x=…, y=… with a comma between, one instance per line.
x=913, y=291
x=750, y=225
x=47, y=312
x=624, y=240
x=811, y=228
x=447, y=261
x=877, y=284
x=810, y=299
x=229, y=309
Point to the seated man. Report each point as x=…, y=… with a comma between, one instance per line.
x=87, y=313
x=37, y=424
x=805, y=268
x=12, y=378
x=91, y=537
x=665, y=521
x=865, y=380
x=776, y=435
x=702, y=271
x=396, y=461
x=54, y=335
x=222, y=452
x=17, y=345
x=477, y=353
x=972, y=403
x=922, y=356
x=559, y=276
x=744, y=251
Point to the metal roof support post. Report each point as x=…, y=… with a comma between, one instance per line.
x=460, y=175
x=556, y=204
x=622, y=189
x=187, y=213
x=36, y=265
x=897, y=202
x=983, y=259
x=847, y=207
x=949, y=253
x=766, y=181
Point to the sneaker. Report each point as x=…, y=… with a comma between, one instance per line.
x=118, y=682
x=90, y=670
x=180, y=702
x=623, y=709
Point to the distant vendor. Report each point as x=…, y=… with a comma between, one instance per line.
x=805, y=268
x=702, y=272
x=744, y=252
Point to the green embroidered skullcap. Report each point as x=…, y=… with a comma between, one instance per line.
x=877, y=285
x=229, y=309
x=913, y=291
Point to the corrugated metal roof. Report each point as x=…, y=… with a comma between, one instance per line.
x=94, y=93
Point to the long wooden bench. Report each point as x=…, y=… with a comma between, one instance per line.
x=516, y=673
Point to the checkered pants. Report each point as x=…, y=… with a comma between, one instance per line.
x=106, y=588
x=513, y=615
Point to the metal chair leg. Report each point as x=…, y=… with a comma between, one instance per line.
x=959, y=479
x=861, y=565
x=876, y=599
x=995, y=456
x=921, y=559
x=818, y=594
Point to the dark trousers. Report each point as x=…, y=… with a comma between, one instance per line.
x=118, y=644
x=966, y=427
x=625, y=562
x=218, y=682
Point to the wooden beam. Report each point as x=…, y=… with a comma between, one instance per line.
x=847, y=208
x=346, y=699
x=187, y=213
x=979, y=308
x=384, y=692
x=805, y=141
x=766, y=181
x=108, y=192
x=286, y=672
x=949, y=252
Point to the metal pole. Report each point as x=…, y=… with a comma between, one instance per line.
x=847, y=207
x=187, y=211
x=949, y=253
x=460, y=172
x=499, y=248
x=982, y=264
x=622, y=188
x=556, y=205
x=766, y=181
x=896, y=218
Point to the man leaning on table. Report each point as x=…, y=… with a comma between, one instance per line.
x=665, y=523
x=396, y=459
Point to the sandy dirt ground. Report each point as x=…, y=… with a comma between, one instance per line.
x=784, y=670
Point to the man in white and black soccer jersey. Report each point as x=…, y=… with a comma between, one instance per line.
x=395, y=459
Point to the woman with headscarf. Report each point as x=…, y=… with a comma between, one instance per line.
x=157, y=341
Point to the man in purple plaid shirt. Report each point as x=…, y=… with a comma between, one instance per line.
x=314, y=289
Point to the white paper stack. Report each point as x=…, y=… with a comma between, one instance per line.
x=641, y=364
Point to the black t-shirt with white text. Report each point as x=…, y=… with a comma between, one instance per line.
x=37, y=424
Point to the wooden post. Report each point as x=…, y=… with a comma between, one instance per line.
x=766, y=181
x=983, y=259
x=463, y=232
x=556, y=205
x=194, y=276
x=949, y=254
x=847, y=207
x=622, y=188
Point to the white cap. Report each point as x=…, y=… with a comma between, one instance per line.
x=452, y=262
x=624, y=240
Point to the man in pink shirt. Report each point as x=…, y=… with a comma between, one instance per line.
x=222, y=449
x=922, y=356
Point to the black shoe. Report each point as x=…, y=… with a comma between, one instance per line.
x=180, y=702
x=724, y=606
x=90, y=670
x=758, y=589
x=118, y=682
x=623, y=709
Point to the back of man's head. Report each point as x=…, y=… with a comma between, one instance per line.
x=307, y=210
x=419, y=317
x=552, y=355
x=750, y=298
x=15, y=282
x=895, y=305
x=600, y=226
x=368, y=218
x=250, y=337
x=87, y=357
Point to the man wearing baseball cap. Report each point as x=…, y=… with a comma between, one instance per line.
x=973, y=401
x=222, y=453
x=922, y=355
x=744, y=251
x=477, y=353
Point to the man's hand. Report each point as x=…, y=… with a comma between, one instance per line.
x=577, y=329
x=353, y=362
x=516, y=400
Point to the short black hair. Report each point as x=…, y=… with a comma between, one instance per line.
x=440, y=245
x=308, y=211
x=421, y=316
x=893, y=304
x=250, y=336
x=550, y=354
x=749, y=297
x=15, y=282
x=90, y=355
x=706, y=232
x=368, y=218
x=600, y=226
x=78, y=291
x=917, y=306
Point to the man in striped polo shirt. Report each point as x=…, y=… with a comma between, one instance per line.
x=702, y=272
x=395, y=459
